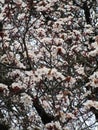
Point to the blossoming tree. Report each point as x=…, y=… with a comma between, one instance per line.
x=48, y=64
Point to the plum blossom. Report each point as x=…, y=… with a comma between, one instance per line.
x=26, y=99
x=2, y=1
x=21, y=16
x=94, y=52
x=41, y=32
x=66, y=128
x=17, y=85
x=3, y=87
x=47, y=40
x=80, y=70
x=43, y=53
x=16, y=74
x=59, y=96
x=42, y=71
x=89, y=29
x=52, y=125
x=94, y=45
x=94, y=79
x=45, y=6
x=45, y=104
x=57, y=26
x=96, y=38
x=62, y=116
x=58, y=41
x=1, y=16
x=21, y=65
x=70, y=116
x=18, y=2
x=54, y=73
x=4, y=58
x=89, y=103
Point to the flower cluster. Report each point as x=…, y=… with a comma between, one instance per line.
x=48, y=64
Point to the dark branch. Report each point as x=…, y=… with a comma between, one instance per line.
x=1, y=26
x=86, y=9
x=4, y=127
x=87, y=12
x=95, y=111
x=46, y=117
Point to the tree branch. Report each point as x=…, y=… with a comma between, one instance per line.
x=45, y=117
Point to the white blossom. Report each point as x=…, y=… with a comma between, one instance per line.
x=90, y=103
x=21, y=16
x=1, y=16
x=80, y=69
x=59, y=96
x=17, y=85
x=18, y=1
x=46, y=40
x=3, y=1
x=3, y=86
x=54, y=73
x=26, y=100
x=45, y=104
x=94, y=79
x=70, y=115
x=56, y=124
x=95, y=45
x=94, y=52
